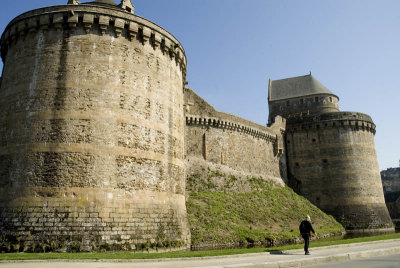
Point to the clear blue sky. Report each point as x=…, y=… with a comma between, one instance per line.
x=233, y=47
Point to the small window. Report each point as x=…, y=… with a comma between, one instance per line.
x=316, y=99
x=297, y=164
x=287, y=103
x=128, y=9
x=314, y=140
x=325, y=161
x=301, y=101
x=330, y=99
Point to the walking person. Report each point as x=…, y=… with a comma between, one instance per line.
x=305, y=231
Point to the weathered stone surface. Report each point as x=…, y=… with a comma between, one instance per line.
x=335, y=167
x=230, y=145
x=331, y=158
x=391, y=189
x=98, y=133
x=91, y=136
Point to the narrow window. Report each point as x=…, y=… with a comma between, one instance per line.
x=330, y=99
x=301, y=101
x=316, y=99
x=287, y=103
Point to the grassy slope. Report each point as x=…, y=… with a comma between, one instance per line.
x=266, y=212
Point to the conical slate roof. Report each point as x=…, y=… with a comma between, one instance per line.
x=296, y=87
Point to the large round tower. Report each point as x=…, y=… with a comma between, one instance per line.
x=332, y=162
x=91, y=131
x=331, y=156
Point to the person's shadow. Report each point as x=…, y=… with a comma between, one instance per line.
x=280, y=252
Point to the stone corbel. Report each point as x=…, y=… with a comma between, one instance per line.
x=88, y=22
x=170, y=48
x=157, y=39
x=165, y=45
x=58, y=21
x=21, y=29
x=119, y=26
x=32, y=25
x=104, y=21
x=133, y=30
x=146, y=34
x=73, y=20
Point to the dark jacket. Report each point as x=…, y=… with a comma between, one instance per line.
x=306, y=227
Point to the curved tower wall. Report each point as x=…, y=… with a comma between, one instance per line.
x=303, y=106
x=332, y=161
x=91, y=132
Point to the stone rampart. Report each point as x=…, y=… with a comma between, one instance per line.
x=328, y=120
x=230, y=146
x=91, y=132
x=332, y=161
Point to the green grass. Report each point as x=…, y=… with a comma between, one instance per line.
x=268, y=212
x=181, y=254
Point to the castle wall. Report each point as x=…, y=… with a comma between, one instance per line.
x=308, y=105
x=391, y=180
x=91, y=132
x=391, y=189
x=229, y=144
x=332, y=162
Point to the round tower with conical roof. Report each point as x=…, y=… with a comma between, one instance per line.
x=91, y=136
x=331, y=156
x=300, y=96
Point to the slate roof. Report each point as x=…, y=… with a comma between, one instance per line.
x=296, y=87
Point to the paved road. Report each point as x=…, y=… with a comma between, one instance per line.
x=391, y=261
x=289, y=258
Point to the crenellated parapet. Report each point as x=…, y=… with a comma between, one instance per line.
x=356, y=121
x=221, y=124
x=94, y=19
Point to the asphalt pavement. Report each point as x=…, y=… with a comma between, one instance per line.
x=389, y=261
x=290, y=258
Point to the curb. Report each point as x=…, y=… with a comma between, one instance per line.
x=346, y=245
x=319, y=260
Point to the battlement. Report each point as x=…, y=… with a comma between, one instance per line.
x=331, y=120
x=94, y=19
x=217, y=123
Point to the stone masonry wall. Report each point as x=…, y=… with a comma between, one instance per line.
x=91, y=132
x=332, y=161
x=309, y=105
x=225, y=145
x=391, y=188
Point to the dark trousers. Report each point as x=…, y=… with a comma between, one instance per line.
x=306, y=238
